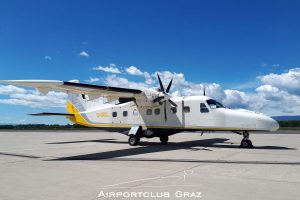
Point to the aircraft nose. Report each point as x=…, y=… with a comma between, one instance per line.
x=267, y=123
x=273, y=124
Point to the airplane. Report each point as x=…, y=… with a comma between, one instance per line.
x=151, y=112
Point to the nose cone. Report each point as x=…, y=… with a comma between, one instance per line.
x=274, y=126
x=265, y=123
x=269, y=123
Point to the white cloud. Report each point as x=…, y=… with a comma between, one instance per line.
x=32, y=98
x=92, y=80
x=277, y=101
x=10, y=89
x=48, y=58
x=267, y=89
x=132, y=70
x=84, y=54
x=148, y=78
x=236, y=99
x=115, y=81
x=186, y=88
x=289, y=81
x=110, y=69
x=178, y=79
x=213, y=90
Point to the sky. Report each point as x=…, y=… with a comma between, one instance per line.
x=246, y=53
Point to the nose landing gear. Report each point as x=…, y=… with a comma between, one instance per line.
x=246, y=142
x=133, y=140
x=134, y=135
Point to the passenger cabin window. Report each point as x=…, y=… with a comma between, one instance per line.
x=114, y=114
x=214, y=104
x=173, y=110
x=186, y=109
x=203, y=108
x=149, y=112
x=157, y=111
x=125, y=113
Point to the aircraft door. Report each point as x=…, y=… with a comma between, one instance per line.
x=174, y=115
x=196, y=114
x=116, y=115
x=125, y=115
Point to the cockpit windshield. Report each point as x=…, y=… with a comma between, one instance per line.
x=214, y=103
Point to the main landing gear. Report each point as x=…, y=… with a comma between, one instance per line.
x=246, y=142
x=134, y=140
x=164, y=139
x=136, y=132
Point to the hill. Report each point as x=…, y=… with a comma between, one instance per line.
x=287, y=118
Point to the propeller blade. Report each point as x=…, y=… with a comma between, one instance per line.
x=172, y=102
x=161, y=85
x=158, y=99
x=204, y=91
x=165, y=110
x=169, y=86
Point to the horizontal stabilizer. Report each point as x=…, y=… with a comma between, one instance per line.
x=52, y=114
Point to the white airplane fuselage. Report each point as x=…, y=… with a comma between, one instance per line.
x=191, y=113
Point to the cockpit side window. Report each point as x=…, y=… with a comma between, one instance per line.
x=213, y=103
x=203, y=108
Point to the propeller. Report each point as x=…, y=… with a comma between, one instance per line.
x=164, y=96
x=204, y=91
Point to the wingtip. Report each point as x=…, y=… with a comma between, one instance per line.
x=29, y=82
x=5, y=81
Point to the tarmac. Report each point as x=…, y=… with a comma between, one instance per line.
x=89, y=165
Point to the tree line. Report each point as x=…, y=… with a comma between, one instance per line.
x=43, y=126
x=291, y=123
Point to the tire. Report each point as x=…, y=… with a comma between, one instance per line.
x=246, y=144
x=164, y=139
x=133, y=140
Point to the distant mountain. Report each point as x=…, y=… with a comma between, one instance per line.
x=286, y=118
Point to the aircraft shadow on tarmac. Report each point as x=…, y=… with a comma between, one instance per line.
x=153, y=147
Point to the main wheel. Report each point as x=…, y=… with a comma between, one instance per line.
x=164, y=139
x=246, y=144
x=133, y=140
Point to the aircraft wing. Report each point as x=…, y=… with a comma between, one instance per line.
x=44, y=86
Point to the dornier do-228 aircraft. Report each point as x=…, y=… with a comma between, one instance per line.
x=149, y=113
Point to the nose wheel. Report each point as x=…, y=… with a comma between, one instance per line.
x=246, y=142
x=133, y=140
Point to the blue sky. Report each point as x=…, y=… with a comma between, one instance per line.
x=235, y=44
